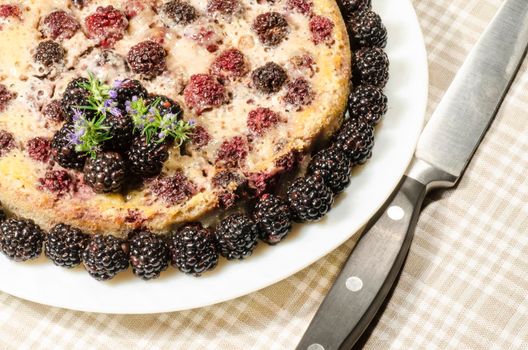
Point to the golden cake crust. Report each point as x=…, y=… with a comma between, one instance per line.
x=21, y=190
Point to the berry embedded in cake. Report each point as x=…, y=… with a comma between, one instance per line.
x=124, y=123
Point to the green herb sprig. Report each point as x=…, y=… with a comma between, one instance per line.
x=99, y=94
x=88, y=134
x=89, y=129
x=153, y=125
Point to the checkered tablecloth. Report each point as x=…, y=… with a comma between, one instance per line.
x=465, y=283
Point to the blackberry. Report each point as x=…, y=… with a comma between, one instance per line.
x=223, y=7
x=7, y=11
x=147, y=58
x=178, y=12
x=333, y=166
x=356, y=140
x=146, y=159
x=322, y=29
x=261, y=119
x=271, y=28
x=226, y=179
x=262, y=182
x=368, y=102
x=269, y=78
x=60, y=25
x=299, y=93
x=39, y=149
x=200, y=137
x=75, y=96
x=149, y=255
x=351, y=6
x=366, y=30
x=309, y=198
x=227, y=199
x=2, y=213
x=7, y=142
x=54, y=112
x=64, y=245
x=230, y=64
x=236, y=236
x=59, y=182
x=105, y=173
x=273, y=218
x=63, y=150
x=204, y=92
x=5, y=97
x=173, y=189
x=127, y=90
x=304, y=7
x=105, y=256
x=166, y=105
x=20, y=239
x=371, y=67
x=107, y=25
x=289, y=161
x=193, y=249
x=232, y=153
x=121, y=131
x=49, y=53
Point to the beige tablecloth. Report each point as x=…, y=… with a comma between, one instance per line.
x=464, y=286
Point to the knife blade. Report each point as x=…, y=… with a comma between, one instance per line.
x=444, y=150
x=471, y=102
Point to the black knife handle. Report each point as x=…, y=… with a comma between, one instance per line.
x=369, y=273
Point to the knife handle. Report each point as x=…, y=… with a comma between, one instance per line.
x=369, y=273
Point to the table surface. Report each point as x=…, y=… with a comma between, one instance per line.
x=464, y=285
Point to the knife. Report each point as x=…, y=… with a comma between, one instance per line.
x=444, y=150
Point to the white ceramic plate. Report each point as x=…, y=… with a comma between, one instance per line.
x=42, y=282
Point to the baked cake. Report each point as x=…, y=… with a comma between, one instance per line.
x=260, y=80
x=139, y=118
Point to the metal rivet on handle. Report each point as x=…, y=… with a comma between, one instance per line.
x=396, y=213
x=315, y=347
x=354, y=284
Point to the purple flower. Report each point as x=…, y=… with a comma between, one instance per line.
x=77, y=115
x=112, y=93
x=192, y=122
x=118, y=83
x=115, y=111
x=75, y=137
x=108, y=103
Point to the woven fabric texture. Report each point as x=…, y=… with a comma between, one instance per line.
x=464, y=285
